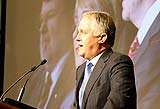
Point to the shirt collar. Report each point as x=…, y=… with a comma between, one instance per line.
x=94, y=60
x=58, y=68
x=148, y=21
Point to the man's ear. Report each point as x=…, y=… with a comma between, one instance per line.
x=102, y=38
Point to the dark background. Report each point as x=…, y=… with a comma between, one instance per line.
x=2, y=41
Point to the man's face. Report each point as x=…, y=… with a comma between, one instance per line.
x=53, y=28
x=78, y=12
x=87, y=42
x=129, y=8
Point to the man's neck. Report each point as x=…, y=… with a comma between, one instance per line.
x=141, y=12
x=53, y=62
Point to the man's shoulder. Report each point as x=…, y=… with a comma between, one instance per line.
x=117, y=56
x=81, y=65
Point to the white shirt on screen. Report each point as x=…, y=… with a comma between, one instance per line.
x=148, y=20
x=55, y=75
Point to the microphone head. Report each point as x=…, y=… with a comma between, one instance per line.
x=43, y=62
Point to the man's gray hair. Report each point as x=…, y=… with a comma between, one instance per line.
x=102, y=23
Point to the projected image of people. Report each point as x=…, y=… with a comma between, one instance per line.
x=145, y=49
x=55, y=88
x=52, y=28
x=56, y=47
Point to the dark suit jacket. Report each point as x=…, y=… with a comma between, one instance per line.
x=111, y=84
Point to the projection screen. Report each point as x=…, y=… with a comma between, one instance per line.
x=46, y=29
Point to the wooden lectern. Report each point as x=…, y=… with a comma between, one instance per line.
x=9, y=103
x=6, y=106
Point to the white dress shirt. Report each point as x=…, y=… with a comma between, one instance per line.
x=82, y=89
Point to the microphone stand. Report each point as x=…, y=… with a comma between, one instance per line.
x=23, y=88
x=16, y=82
x=33, y=69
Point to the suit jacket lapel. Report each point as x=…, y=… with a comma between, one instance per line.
x=150, y=34
x=97, y=71
x=80, y=75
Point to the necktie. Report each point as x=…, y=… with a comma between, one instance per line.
x=133, y=48
x=84, y=83
x=45, y=91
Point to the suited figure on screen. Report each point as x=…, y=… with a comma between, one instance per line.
x=54, y=87
x=145, y=15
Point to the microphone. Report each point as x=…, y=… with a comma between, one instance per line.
x=23, y=88
x=22, y=91
x=21, y=77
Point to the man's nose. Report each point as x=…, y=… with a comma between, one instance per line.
x=78, y=37
x=43, y=27
x=75, y=33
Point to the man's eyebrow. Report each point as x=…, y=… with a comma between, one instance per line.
x=75, y=18
x=50, y=13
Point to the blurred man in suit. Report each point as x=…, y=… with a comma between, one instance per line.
x=106, y=80
x=145, y=15
x=53, y=88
